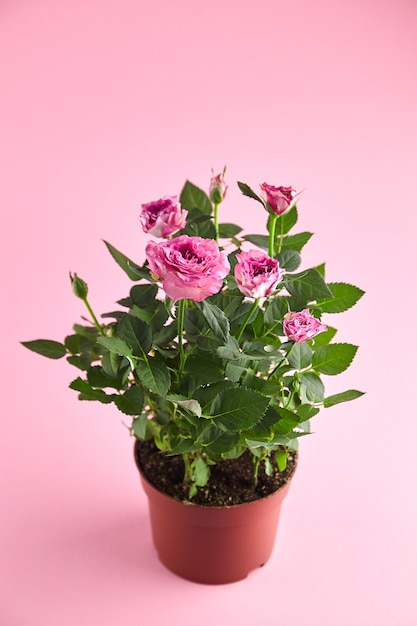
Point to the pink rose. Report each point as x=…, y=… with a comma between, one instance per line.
x=218, y=188
x=189, y=267
x=257, y=274
x=302, y=326
x=279, y=198
x=163, y=217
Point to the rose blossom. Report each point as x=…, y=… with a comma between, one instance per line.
x=218, y=188
x=189, y=267
x=163, y=217
x=278, y=198
x=302, y=326
x=257, y=274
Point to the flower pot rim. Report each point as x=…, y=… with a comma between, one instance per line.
x=147, y=484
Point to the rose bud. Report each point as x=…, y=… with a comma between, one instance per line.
x=79, y=286
x=279, y=199
x=163, y=217
x=218, y=188
x=302, y=326
x=257, y=274
x=189, y=267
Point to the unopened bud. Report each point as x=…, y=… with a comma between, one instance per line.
x=79, y=286
x=218, y=188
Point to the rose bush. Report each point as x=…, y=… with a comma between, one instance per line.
x=214, y=354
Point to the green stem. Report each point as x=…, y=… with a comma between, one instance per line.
x=256, y=464
x=95, y=320
x=272, y=226
x=247, y=318
x=180, y=321
x=281, y=234
x=216, y=220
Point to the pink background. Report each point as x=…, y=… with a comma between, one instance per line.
x=109, y=103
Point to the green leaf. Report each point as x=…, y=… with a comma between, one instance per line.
x=281, y=457
x=132, y=401
x=133, y=270
x=313, y=386
x=193, y=197
x=154, y=375
x=116, y=345
x=97, y=377
x=247, y=191
x=286, y=221
x=144, y=296
x=87, y=392
x=200, y=472
x=190, y=405
x=238, y=408
x=46, y=347
x=224, y=443
x=300, y=356
x=139, y=425
x=136, y=334
x=345, y=396
x=227, y=302
x=344, y=297
x=334, y=358
x=227, y=231
x=275, y=311
x=199, y=225
x=262, y=241
x=325, y=337
x=204, y=369
x=290, y=260
x=308, y=285
x=215, y=318
x=296, y=242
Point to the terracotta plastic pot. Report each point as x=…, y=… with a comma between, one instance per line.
x=212, y=545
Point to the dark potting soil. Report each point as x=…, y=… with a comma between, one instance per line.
x=231, y=481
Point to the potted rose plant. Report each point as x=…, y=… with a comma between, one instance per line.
x=217, y=355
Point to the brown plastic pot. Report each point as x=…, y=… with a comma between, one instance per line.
x=212, y=545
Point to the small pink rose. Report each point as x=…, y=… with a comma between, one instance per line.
x=189, y=267
x=163, y=217
x=302, y=326
x=257, y=274
x=218, y=188
x=279, y=198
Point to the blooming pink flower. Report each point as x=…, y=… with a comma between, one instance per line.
x=218, y=188
x=189, y=267
x=278, y=198
x=302, y=326
x=163, y=217
x=257, y=274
